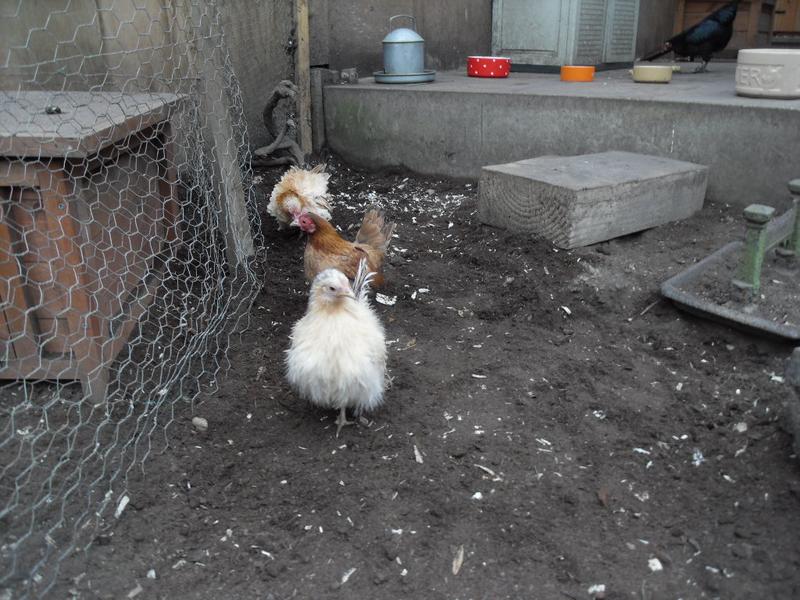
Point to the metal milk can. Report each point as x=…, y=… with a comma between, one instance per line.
x=403, y=49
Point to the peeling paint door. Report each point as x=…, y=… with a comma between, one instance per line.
x=622, y=24
x=531, y=31
x=561, y=32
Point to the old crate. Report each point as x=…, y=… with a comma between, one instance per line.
x=87, y=220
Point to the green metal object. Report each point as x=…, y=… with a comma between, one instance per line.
x=757, y=216
x=791, y=246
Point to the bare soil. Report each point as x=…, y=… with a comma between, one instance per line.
x=573, y=429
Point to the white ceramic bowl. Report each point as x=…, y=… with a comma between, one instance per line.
x=768, y=73
x=651, y=73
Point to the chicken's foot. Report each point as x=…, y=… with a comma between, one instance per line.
x=341, y=420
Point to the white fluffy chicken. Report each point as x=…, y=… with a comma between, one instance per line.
x=300, y=191
x=337, y=357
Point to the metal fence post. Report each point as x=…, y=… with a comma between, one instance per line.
x=757, y=216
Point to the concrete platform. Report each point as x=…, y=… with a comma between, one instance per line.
x=458, y=124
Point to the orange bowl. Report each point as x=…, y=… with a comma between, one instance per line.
x=574, y=73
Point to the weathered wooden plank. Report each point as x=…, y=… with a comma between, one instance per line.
x=87, y=123
x=64, y=230
x=15, y=173
x=14, y=317
x=580, y=200
x=303, y=76
x=33, y=367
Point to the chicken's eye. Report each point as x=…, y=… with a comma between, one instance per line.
x=331, y=288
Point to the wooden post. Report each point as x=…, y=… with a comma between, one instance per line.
x=303, y=76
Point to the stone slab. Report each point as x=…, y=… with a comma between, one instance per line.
x=580, y=200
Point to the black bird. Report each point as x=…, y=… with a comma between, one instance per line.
x=710, y=35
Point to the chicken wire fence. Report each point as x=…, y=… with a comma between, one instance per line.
x=126, y=212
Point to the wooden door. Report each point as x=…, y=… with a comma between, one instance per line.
x=787, y=16
x=752, y=29
x=622, y=24
x=531, y=31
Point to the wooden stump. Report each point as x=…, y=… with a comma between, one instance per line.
x=580, y=200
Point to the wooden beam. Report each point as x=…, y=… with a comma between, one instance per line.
x=575, y=201
x=16, y=317
x=303, y=77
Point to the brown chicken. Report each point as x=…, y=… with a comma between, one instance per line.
x=326, y=249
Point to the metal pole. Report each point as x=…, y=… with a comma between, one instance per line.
x=757, y=216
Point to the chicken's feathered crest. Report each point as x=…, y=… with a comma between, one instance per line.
x=298, y=191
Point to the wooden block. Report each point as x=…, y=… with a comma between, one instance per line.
x=580, y=200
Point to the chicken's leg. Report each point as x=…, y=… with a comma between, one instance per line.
x=341, y=420
x=702, y=68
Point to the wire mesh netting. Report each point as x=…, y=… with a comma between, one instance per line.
x=126, y=212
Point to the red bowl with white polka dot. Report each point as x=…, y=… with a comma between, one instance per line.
x=488, y=66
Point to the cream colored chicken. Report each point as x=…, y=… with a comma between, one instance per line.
x=337, y=357
x=300, y=191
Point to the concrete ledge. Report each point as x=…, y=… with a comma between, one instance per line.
x=457, y=125
x=580, y=200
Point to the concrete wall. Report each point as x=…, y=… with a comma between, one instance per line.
x=348, y=33
x=751, y=152
x=353, y=30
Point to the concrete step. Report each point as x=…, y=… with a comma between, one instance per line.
x=580, y=200
x=458, y=124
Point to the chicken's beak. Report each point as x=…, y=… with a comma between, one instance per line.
x=348, y=293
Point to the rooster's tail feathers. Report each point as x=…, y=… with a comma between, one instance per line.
x=375, y=231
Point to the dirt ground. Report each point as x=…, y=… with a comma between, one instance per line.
x=577, y=436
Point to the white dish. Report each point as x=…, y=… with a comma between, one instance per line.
x=651, y=73
x=768, y=73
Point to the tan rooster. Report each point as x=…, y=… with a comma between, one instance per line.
x=300, y=191
x=326, y=249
